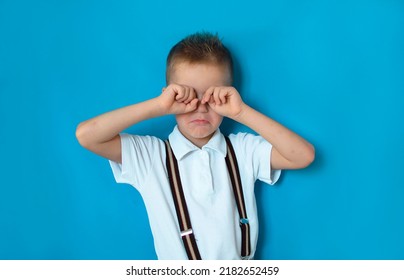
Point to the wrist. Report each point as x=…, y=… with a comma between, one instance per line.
x=158, y=108
x=242, y=114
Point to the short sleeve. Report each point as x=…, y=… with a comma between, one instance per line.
x=255, y=152
x=137, y=159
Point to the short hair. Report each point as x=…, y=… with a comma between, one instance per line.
x=201, y=47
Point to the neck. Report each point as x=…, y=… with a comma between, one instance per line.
x=199, y=142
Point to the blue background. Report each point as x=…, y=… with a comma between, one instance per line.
x=333, y=71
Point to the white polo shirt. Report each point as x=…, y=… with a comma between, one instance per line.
x=207, y=189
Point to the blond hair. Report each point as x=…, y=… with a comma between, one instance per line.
x=201, y=47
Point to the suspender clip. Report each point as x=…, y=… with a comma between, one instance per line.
x=244, y=221
x=187, y=232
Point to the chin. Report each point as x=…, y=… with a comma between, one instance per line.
x=200, y=136
x=201, y=133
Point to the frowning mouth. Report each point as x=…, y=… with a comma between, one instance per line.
x=200, y=121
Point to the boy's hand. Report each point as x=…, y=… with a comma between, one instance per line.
x=178, y=99
x=225, y=101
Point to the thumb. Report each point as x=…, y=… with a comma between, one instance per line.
x=191, y=106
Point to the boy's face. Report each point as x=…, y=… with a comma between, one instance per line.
x=199, y=126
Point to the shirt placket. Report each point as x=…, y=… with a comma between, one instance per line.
x=205, y=172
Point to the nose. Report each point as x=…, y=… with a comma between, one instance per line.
x=202, y=108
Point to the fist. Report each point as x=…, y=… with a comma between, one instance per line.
x=225, y=101
x=178, y=99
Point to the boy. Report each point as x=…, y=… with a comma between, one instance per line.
x=199, y=76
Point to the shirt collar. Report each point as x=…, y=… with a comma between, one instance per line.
x=182, y=146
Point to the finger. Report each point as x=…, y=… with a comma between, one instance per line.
x=223, y=95
x=180, y=92
x=186, y=94
x=207, y=95
x=191, y=96
x=191, y=106
x=216, y=94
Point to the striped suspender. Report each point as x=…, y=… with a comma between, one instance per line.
x=234, y=173
x=184, y=221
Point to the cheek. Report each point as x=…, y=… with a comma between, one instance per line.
x=217, y=119
x=182, y=119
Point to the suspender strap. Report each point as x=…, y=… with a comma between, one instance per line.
x=184, y=221
x=234, y=173
x=181, y=209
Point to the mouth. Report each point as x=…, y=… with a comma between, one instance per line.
x=200, y=121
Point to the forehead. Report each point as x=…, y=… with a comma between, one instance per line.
x=200, y=76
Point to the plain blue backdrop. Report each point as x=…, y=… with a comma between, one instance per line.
x=333, y=71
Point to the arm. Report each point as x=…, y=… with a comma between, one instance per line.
x=289, y=151
x=101, y=134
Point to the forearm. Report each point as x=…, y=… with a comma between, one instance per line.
x=104, y=127
x=293, y=148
